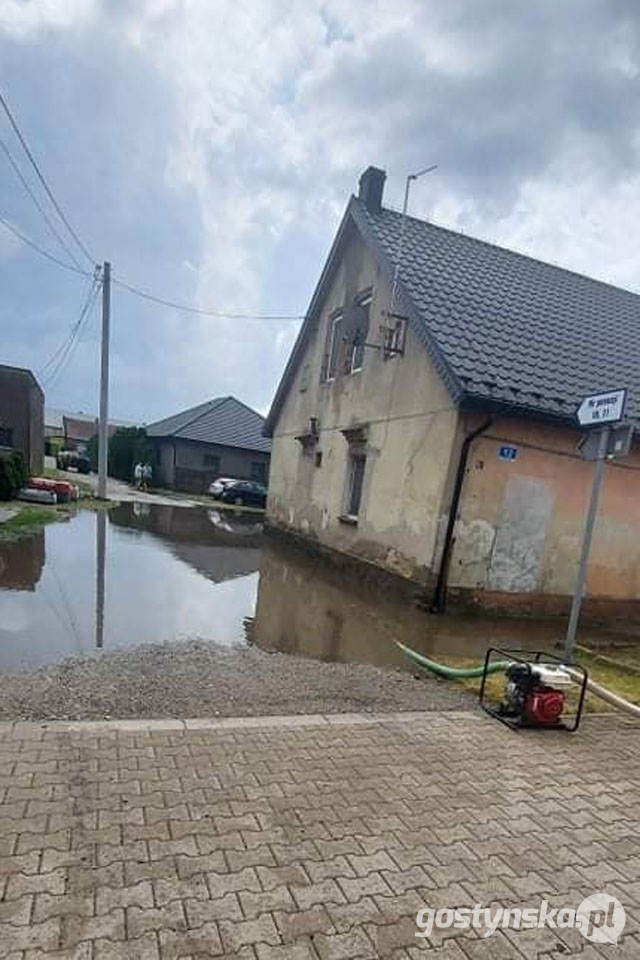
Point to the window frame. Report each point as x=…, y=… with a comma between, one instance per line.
x=357, y=462
x=364, y=300
x=336, y=318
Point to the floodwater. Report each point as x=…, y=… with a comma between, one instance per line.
x=141, y=573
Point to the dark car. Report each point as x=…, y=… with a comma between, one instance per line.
x=245, y=493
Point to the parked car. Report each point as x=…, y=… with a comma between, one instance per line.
x=245, y=493
x=71, y=460
x=217, y=488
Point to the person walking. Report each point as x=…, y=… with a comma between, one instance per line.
x=137, y=475
x=147, y=473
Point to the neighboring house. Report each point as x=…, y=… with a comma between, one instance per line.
x=222, y=437
x=22, y=415
x=457, y=405
x=78, y=428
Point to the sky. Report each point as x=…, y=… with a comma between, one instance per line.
x=208, y=150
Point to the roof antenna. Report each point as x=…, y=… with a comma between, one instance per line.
x=403, y=226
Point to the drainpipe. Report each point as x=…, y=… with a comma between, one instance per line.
x=439, y=599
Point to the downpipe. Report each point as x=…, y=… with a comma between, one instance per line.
x=439, y=599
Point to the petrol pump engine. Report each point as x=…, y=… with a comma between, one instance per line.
x=531, y=695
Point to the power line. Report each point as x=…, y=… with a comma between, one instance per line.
x=205, y=312
x=150, y=296
x=12, y=121
x=44, y=214
x=63, y=355
x=43, y=253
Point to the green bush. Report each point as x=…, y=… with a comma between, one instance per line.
x=127, y=446
x=13, y=474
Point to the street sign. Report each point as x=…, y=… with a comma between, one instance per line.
x=602, y=408
x=618, y=443
x=507, y=453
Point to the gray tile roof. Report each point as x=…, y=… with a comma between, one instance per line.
x=224, y=420
x=505, y=327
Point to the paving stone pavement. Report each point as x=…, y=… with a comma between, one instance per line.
x=310, y=838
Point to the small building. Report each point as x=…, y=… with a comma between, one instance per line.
x=22, y=415
x=433, y=433
x=222, y=437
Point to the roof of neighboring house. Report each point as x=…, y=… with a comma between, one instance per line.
x=224, y=421
x=502, y=328
x=21, y=372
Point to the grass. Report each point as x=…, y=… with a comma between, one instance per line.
x=28, y=519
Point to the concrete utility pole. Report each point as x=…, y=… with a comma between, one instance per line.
x=103, y=431
x=598, y=474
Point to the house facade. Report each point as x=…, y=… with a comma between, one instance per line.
x=22, y=415
x=220, y=438
x=433, y=434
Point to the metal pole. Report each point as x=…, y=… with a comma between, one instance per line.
x=103, y=437
x=403, y=226
x=101, y=539
x=576, y=604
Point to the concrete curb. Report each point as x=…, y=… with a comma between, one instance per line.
x=21, y=729
x=35, y=730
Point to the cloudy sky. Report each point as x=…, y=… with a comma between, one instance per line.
x=207, y=149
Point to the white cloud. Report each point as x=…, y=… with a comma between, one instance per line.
x=23, y=20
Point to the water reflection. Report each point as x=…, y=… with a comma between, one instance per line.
x=21, y=562
x=125, y=576
x=313, y=608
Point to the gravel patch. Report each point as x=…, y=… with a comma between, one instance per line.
x=202, y=679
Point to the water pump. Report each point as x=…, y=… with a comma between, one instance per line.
x=535, y=692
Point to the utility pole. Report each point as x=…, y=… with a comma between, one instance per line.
x=598, y=473
x=103, y=431
x=403, y=226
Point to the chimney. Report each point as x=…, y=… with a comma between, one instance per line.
x=371, y=186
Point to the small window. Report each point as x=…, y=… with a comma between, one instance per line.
x=318, y=458
x=6, y=437
x=212, y=462
x=356, y=358
x=335, y=344
x=259, y=472
x=357, y=463
x=394, y=338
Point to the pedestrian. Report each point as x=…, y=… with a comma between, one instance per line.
x=137, y=475
x=147, y=473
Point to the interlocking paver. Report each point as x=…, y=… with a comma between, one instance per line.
x=311, y=841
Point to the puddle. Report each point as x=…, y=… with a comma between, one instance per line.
x=134, y=574
x=142, y=573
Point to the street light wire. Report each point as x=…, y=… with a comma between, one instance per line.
x=40, y=208
x=40, y=175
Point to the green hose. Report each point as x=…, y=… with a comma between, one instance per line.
x=452, y=673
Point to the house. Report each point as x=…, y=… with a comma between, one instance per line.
x=76, y=429
x=222, y=437
x=22, y=415
x=436, y=437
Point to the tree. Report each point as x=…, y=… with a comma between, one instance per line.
x=127, y=446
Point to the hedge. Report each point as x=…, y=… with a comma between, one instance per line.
x=13, y=474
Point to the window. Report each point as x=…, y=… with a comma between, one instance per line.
x=212, y=462
x=335, y=344
x=259, y=472
x=6, y=437
x=394, y=337
x=356, y=358
x=357, y=463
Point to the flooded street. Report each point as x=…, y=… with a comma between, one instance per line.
x=155, y=610
x=166, y=573
x=140, y=573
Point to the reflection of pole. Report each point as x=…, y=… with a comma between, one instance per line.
x=101, y=541
x=598, y=474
